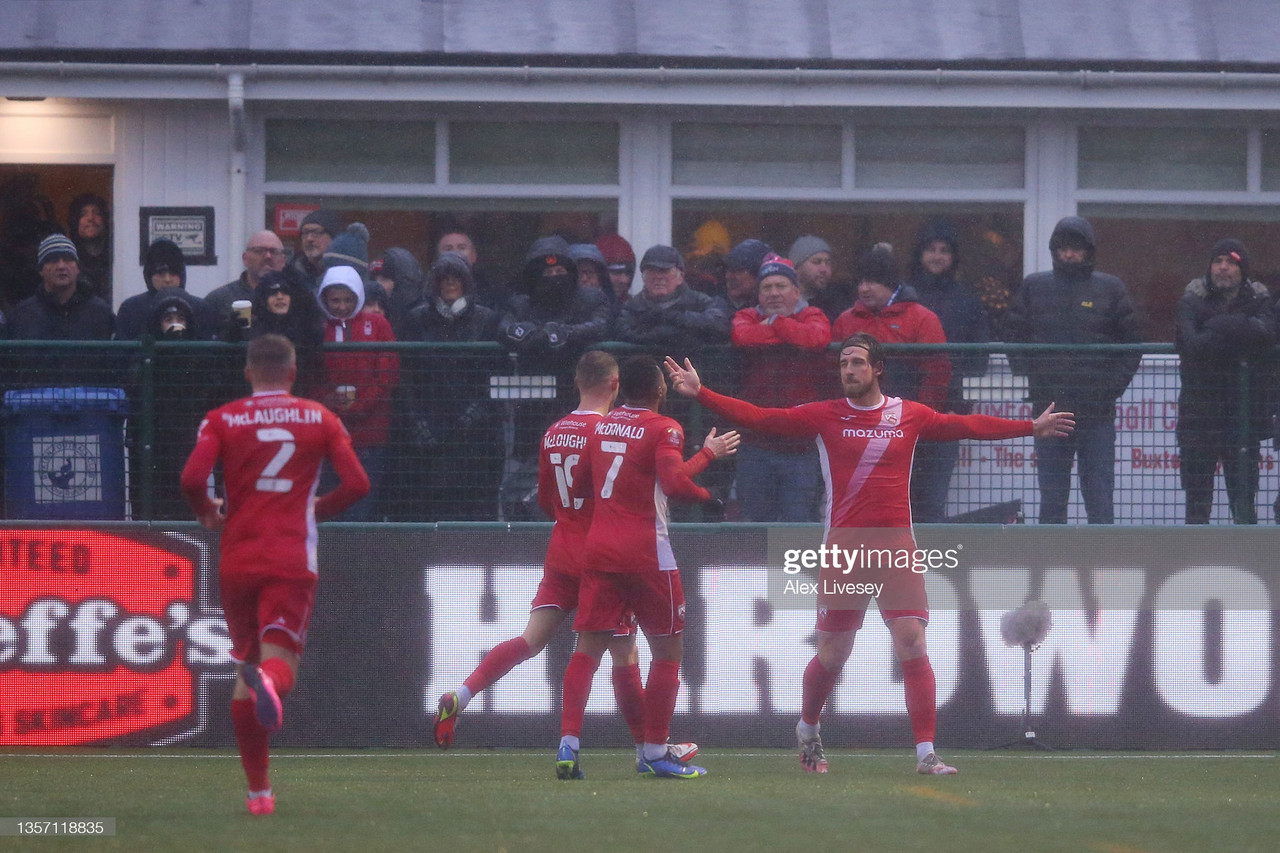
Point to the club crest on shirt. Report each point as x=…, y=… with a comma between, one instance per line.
x=891, y=418
x=674, y=437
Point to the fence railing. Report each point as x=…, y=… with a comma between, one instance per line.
x=450, y=431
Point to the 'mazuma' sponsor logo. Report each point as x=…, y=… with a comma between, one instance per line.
x=104, y=637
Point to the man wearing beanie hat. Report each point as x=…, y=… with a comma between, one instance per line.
x=1073, y=303
x=1225, y=326
x=165, y=274
x=811, y=257
x=263, y=253
x=781, y=346
x=317, y=231
x=742, y=271
x=892, y=313
x=61, y=308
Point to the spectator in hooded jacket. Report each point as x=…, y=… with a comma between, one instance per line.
x=453, y=429
x=89, y=226
x=620, y=260
x=934, y=260
x=358, y=385
x=548, y=326
x=182, y=394
x=781, y=344
x=891, y=312
x=593, y=274
x=165, y=274
x=399, y=274
x=1225, y=326
x=491, y=294
x=1074, y=304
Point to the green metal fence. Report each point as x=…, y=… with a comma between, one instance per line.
x=463, y=422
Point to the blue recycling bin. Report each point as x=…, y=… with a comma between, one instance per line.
x=64, y=453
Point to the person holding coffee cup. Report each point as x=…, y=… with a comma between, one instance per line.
x=358, y=385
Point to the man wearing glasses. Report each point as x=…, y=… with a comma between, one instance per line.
x=263, y=254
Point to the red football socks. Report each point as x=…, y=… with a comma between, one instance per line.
x=281, y=676
x=253, y=740
x=922, y=697
x=577, y=690
x=628, y=689
x=501, y=659
x=660, y=699
x=817, y=686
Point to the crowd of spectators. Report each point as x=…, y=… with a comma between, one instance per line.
x=775, y=315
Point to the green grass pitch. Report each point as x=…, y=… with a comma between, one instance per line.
x=509, y=800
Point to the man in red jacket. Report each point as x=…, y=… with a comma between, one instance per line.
x=781, y=345
x=892, y=313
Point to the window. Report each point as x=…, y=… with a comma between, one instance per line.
x=1163, y=158
x=347, y=151
x=769, y=155
x=562, y=152
x=940, y=157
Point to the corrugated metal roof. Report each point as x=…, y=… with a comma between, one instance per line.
x=1202, y=34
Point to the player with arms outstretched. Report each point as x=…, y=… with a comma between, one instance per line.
x=271, y=445
x=633, y=463
x=563, y=445
x=866, y=441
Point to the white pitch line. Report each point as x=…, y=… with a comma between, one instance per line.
x=712, y=753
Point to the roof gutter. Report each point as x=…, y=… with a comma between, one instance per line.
x=799, y=86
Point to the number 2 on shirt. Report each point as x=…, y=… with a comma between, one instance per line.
x=619, y=448
x=267, y=480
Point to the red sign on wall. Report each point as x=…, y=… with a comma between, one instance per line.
x=101, y=638
x=288, y=218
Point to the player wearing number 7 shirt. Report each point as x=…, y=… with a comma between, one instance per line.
x=563, y=446
x=866, y=441
x=271, y=445
x=633, y=463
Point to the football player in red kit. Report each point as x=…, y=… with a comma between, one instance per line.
x=563, y=445
x=633, y=464
x=866, y=441
x=271, y=445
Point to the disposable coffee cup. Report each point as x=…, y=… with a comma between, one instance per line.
x=244, y=311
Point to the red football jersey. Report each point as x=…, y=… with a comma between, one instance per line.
x=866, y=453
x=559, y=461
x=635, y=461
x=271, y=446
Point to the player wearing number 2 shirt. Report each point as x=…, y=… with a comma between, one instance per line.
x=866, y=441
x=271, y=445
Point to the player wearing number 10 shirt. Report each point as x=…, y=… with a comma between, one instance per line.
x=271, y=445
x=562, y=449
x=633, y=463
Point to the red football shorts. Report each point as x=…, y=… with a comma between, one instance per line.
x=557, y=589
x=656, y=597
x=562, y=591
x=881, y=568
x=254, y=604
